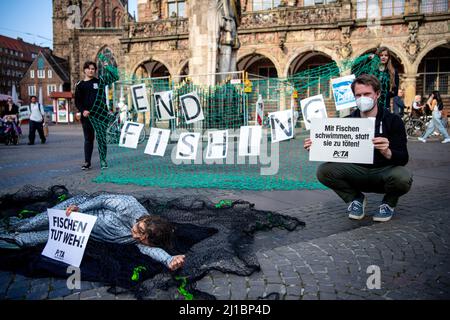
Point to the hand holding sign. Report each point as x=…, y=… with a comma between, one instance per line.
x=343, y=140
x=307, y=144
x=68, y=236
x=382, y=144
x=71, y=208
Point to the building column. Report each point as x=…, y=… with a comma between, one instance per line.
x=409, y=85
x=203, y=41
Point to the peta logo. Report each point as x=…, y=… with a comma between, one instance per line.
x=59, y=254
x=340, y=154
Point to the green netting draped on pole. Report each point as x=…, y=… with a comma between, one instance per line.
x=281, y=166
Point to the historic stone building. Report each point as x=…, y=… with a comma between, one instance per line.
x=277, y=37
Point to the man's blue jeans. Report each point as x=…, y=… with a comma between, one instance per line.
x=436, y=123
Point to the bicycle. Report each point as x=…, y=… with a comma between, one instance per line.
x=414, y=126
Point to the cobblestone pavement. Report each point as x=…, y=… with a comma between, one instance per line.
x=327, y=259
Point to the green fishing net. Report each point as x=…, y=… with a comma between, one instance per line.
x=281, y=166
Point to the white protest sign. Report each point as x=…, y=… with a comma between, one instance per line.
x=259, y=116
x=281, y=125
x=342, y=140
x=157, y=142
x=140, y=98
x=164, y=105
x=342, y=92
x=68, y=236
x=187, y=145
x=313, y=107
x=217, y=144
x=192, y=108
x=250, y=141
x=129, y=136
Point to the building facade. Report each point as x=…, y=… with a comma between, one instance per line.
x=277, y=38
x=15, y=58
x=47, y=74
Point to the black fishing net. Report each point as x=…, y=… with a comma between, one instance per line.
x=213, y=236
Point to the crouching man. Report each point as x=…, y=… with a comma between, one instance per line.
x=387, y=175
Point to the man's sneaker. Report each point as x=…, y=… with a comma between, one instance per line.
x=422, y=139
x=86, y=166
x=103, y=164
x=446, y=140
x=356, y=209
x=384, y=214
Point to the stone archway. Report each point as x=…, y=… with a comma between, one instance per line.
x=433, y=73
x=263, y=74
x=151, y=69
x=316, y=69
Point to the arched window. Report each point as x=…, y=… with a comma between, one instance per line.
x=97, y=18
x=117, y=18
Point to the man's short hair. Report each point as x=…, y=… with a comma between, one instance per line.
x=368, y=80
x=31, y=97
x=87, y=64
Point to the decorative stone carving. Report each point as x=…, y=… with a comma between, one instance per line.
x=282, y=40
x=345, y=48
x=159, y=28
x=290, y=16
x=412, y=44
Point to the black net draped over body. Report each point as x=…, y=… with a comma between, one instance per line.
x=213, y=236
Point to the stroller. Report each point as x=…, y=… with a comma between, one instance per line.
x=9, y=131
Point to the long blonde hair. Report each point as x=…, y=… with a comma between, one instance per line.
x=389, y=66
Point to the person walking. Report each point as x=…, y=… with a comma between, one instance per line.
x=435, y=104
x=37, y=119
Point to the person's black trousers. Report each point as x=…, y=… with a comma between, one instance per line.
x=34, y=125
x=349, y=180
x=89, y=137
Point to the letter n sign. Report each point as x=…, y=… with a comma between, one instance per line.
x=164, y=105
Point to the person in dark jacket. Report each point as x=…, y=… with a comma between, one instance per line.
x=11, y=110
x=90, y=101
x=399, y=105
x=387, y=174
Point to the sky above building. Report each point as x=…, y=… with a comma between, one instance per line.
x=31, y=20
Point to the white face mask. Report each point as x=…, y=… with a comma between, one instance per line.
x=365, y=104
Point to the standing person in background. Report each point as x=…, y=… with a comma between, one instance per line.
x=399, y=104
x=435, y=104
x=90, y=100
x=37, y=119
x=85, y=94
x=388, y=77
x=386, y=74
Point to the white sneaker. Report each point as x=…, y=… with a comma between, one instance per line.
x=446, y=140
x=422, y=139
